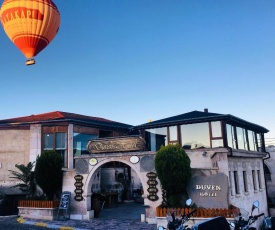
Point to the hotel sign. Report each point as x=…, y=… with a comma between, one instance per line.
x=209, y=191
x=116, y=144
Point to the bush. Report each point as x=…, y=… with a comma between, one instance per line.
x=174, y=172
x=26, y=176
x=48, y=172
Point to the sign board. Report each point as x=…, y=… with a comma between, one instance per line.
x=152, y=182
x=209, y=191
x=78, y=188
x=116, y=144
x=65, y=200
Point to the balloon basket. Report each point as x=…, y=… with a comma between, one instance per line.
x=30, y=62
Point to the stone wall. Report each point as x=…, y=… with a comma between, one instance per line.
x=14, y=149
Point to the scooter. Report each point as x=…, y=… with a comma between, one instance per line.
x=178, y=223
x=243, y=220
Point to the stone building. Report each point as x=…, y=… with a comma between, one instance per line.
x=226, y=152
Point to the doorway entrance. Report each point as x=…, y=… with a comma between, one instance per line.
x=115, y=184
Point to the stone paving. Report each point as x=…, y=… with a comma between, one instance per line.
x=123, y=217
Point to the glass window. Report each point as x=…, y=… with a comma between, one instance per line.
x=195, y=136
x=251, y=140
x=80, y=143
x=58, y=143
x=217, y=143
x=155, y=138
x=240, y=138
x=61, y=146
x=259, y=140
x=230, y=136
x=48, y=141
x=216, y=129
x=173, y=134
x=60, y=140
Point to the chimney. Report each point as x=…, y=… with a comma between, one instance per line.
x=206, y=110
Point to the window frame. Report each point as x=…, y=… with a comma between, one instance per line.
x=53, y=130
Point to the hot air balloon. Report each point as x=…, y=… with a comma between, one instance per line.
x=30, y=24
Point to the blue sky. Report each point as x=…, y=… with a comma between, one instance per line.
x=132, y=60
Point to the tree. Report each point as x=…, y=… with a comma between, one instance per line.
x=26, y=176
x=174, y=172
x=48, y=172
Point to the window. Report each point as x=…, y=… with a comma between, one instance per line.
x=254, y=180
x=259, y=141
x=236, y=181
x=48, y=141
x=231, y=141
x=80, y=142
x=195, y=136
x=61, y=147
x=245, y=181
x=56, y=141
x=155, y=138
x=216, y=134
x=241, y=138
x=251, y=140
x=173, y=134
x=259, y=179
x=216, y=129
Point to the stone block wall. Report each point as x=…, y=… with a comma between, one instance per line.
x=14, y=149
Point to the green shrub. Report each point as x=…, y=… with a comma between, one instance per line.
x=48, y=172
x=174, y=172
x=26, y=176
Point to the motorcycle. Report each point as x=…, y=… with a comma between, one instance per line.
x=242, y=220
x=216, y=223
x=178, y=223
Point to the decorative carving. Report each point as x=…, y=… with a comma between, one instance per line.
x=116, y=144
x=147, y=164
x=81, y=166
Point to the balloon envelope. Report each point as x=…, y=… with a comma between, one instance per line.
x=30, y=24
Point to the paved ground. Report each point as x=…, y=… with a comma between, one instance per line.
x=124, y=217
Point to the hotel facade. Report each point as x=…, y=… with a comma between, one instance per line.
x=227, y=156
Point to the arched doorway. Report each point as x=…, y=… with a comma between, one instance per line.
x=117, y=188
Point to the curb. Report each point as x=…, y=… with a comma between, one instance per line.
x=42, y=224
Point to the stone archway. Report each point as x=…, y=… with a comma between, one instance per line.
x=99, y=168
x=88, y=169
